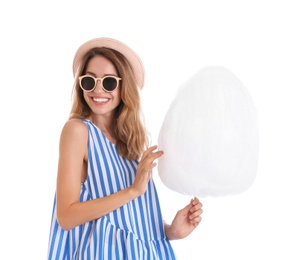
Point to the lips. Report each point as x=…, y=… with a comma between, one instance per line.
x=100, y=100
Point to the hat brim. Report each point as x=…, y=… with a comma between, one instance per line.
x=130, y=54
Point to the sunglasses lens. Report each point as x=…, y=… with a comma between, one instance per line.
x=109, y=83
x=87, y=83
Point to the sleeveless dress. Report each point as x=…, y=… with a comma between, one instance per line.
x=134, y=231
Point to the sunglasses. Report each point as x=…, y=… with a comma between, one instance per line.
x=89, y=83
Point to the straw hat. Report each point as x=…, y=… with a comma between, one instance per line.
x=130, y=54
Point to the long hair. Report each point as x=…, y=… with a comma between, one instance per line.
x=128, y=122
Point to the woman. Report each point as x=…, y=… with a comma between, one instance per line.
x=106, y=204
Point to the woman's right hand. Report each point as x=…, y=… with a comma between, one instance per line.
x=144, y=169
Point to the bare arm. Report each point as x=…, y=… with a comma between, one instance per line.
x=72, y=158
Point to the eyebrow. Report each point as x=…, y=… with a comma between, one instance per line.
x=93, y=74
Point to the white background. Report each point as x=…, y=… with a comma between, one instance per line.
x=174, y=39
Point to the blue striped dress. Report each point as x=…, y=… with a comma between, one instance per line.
x=134, y=231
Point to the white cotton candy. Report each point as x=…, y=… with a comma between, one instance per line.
x=209, y=136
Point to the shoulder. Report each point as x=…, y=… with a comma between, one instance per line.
x=75, y=126
x=75, y=129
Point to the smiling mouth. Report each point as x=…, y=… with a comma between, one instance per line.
x=100, y=100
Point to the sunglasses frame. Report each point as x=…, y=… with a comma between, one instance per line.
x=96, y=82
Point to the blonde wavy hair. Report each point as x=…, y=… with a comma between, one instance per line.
x=128, y=123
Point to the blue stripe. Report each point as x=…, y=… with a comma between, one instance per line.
x=119, y=168
x=90, y=177
x=99, y=168
x=106, y=164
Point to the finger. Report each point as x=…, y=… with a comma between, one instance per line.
x=149, y=151
x=195, y=217
x=195, y=221
x=155, y=155
x=195, y=201
x=153, y=158
x=186, y=209
x=195, y=207
x=196, y=204
x=150, y=158
x=195, y=214
x=152, y=148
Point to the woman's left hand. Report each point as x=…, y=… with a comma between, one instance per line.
x=185, y=221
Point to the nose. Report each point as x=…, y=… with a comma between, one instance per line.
x=98, y=88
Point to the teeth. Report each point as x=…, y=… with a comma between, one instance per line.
x=100, y=99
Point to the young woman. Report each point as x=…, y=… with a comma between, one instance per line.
x=106, y=205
